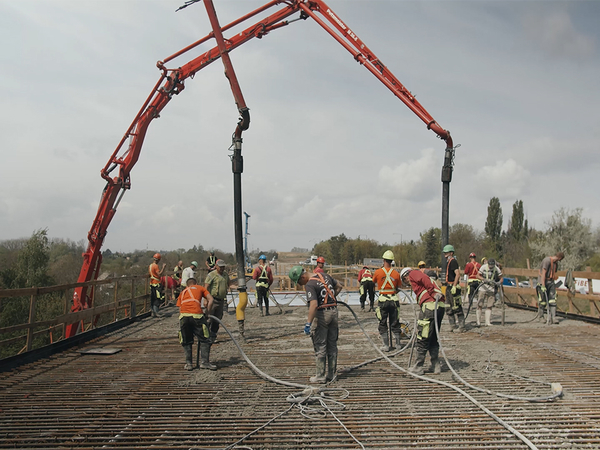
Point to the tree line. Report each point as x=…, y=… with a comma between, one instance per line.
x=568, y=231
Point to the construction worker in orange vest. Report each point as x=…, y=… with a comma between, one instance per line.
x=193, y=302
x=264, y=279
x=365, y=278
x=155, y=291
x=387, y=280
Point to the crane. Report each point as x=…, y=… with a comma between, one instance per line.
x=171, y=82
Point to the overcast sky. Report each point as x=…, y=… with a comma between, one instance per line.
x=330, y=150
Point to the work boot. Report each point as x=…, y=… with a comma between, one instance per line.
x=320, y=376
x=436, y=366
x=488, y=317
x=370, y=308
x=461, y=323
x=267, y=309
x=154, y=311
x=541, y=317
x=478, y=312
x=452, y=321
x=331, y=367
x=386, y=343
x=417, y=367
x=204, y=357
x=187, y=349
x=397, y=338
x=241, y=330
x=261, y=311
x=553, y=318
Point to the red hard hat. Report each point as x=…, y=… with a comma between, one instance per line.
x=321, y=259
x=156, y=256
x=472, y=255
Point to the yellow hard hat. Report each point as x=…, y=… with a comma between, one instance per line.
x=422, y=264
x=388, y=255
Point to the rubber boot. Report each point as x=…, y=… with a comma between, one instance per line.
x=553, y=318
x=320, y=376
x=204, y=357
x=371, y=307
x=541, y=311
x=331, y=367
x=362, y=305
x=187, y=349
x=397, y=339
x=417, y=367
x=241, y=330
x=478, y=317
x=488, y=317
x=386, y=343
x=436, y=366
x=452, y=322
x=154, y=310
x=267, y=308
x=461, y=323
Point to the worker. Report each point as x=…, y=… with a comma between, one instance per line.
x=193, y=302
x=320, y=265
x=453, y=291
x=490, y=276
x=387, y=281
x=365, y=279
x=189, y=272
x=472, y=273
x=264, y=279
x=155, y=290
x=322, y=324
x=211, y=261
x=547, y=286
x=217, y=283
x=427, y=340
x=422, y=266
x=177, y=272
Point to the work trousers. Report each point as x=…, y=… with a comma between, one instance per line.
x=324, y=332
x=368, y=287
x=472, y=289
x=427, y=339
x=486, y=298
x=217, y=311
x=454, y=301
x=191, y=326
x=155, y=295
x=388, y=312
x=262, y=294
x=550, y=294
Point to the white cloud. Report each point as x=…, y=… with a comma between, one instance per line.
x=505, y=180
x=413, y=179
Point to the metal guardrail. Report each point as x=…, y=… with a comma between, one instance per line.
x=48, y=310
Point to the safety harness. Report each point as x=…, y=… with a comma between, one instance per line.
x=263, y=279
x=366, y=276
x=330, y=295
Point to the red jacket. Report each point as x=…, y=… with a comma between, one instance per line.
x=422, y=286
x=472, y=269
x=365, y=273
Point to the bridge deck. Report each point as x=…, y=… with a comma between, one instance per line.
x=141, y=397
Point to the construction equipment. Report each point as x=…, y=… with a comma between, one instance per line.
x=172, y=82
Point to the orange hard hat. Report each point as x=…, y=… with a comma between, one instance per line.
x=321, y=259
x=156, y=256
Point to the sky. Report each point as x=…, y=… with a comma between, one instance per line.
x=330, y=149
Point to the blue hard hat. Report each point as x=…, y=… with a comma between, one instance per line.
x=262, y=257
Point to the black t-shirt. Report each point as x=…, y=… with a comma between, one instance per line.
x=316, y=291
x=452, y=267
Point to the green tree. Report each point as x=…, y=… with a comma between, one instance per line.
x=465, y=240
x=431, y=241
x=516, y=225
x=570, y=233
x=493, y=224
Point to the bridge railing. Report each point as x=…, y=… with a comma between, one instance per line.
x=33, y=317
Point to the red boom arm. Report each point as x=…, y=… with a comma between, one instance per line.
x=171, y=82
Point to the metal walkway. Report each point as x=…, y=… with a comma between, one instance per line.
x=142, y=398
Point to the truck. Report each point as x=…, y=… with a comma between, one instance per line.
x=312, y=260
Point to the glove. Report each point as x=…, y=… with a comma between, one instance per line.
x=307, y=328
x=542, y=288
x=453, y=290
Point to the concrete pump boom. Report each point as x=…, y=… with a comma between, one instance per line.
x=171, y=82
